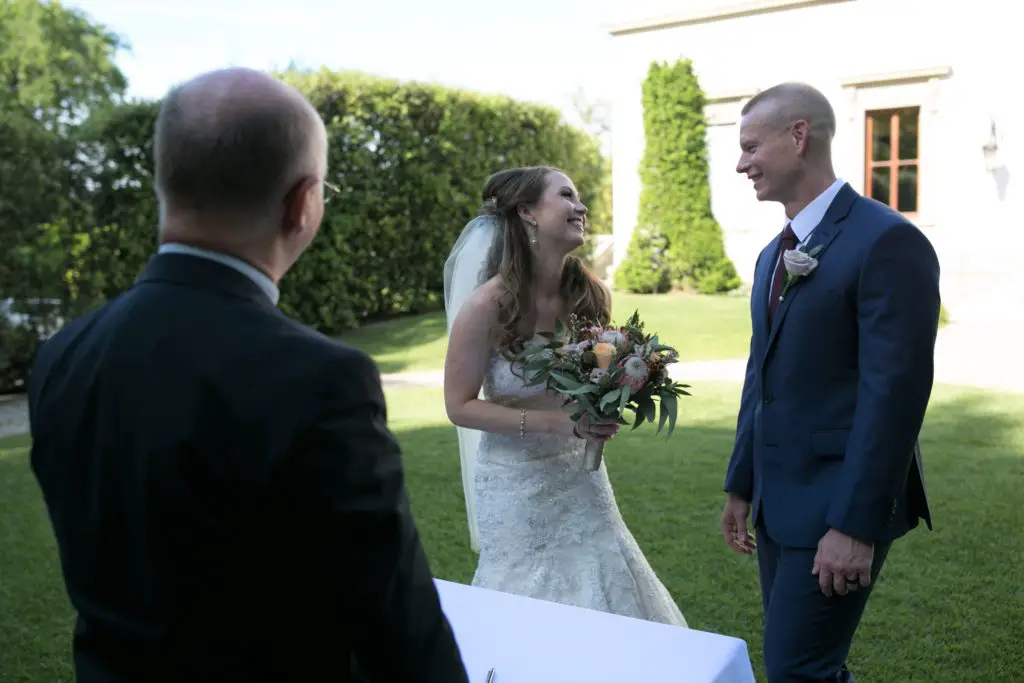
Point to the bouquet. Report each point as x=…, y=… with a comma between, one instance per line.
x=604, y=371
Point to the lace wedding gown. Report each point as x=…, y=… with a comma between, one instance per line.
x=550, y=529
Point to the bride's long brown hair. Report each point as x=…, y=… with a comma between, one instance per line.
x=512, y=259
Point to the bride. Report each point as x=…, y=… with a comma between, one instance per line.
x=545, y=526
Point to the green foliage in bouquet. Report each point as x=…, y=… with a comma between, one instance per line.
x=605, y=371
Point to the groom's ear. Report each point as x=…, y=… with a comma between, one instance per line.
x=801, y=131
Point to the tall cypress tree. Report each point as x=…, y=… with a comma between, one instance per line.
x=677, y=239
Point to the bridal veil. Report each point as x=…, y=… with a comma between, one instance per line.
x=464, y=271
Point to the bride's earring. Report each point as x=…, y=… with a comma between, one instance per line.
x=533, y=233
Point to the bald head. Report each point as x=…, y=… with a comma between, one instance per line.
x=234, y=141
x=782, y=105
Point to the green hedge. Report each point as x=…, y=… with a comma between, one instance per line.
x=35, y=180
x=410, y=158
x=677, y=241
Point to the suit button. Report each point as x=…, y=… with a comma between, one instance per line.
x=767, y=400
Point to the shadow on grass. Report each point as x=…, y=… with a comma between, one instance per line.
x=392, y=342
x=947, y=608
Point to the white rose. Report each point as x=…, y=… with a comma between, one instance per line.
x=799, y=263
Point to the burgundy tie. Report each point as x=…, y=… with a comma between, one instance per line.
x=788, y=242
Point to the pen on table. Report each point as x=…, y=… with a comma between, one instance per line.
x=490, y=676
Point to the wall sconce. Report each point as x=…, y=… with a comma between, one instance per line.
x=991, y=150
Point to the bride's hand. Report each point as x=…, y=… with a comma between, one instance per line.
x=601, y=431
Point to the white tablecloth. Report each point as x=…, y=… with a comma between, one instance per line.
x=533, y=641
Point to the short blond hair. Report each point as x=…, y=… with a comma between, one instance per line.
x=789, y=102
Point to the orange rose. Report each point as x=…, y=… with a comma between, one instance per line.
x=604, y=353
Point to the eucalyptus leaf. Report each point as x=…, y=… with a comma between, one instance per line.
x=624, y=398
x=670, y=403
x=565, y=380
x=647, y=408
x=610, y=397
x=662, y=414
x=579, y=391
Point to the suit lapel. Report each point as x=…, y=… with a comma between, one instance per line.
x=762, y=286
x=824, y=233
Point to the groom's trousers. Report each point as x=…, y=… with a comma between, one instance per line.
x=807, y=635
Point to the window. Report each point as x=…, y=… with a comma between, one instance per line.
x=891, y=150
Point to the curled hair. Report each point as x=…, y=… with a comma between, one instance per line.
x=512, y=259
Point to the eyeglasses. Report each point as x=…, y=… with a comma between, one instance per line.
x=334, y=191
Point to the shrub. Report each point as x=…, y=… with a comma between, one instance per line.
x=675, y=199
x=644, y=270
x=410, y=158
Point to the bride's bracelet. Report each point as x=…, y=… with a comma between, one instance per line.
x=522, y=423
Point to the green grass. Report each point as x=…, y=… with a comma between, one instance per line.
x=701, y=327
x=949, y=607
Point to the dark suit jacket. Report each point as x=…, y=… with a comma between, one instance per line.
x=836, y=390
x=227, y=500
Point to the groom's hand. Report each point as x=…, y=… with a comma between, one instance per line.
x=843, y=563
x=734, y=525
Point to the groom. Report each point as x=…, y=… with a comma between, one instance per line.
x=826, y=462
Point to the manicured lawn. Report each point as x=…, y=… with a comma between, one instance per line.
x=701, y=327
x=949, y=607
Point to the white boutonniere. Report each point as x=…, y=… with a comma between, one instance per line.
x=799, y=265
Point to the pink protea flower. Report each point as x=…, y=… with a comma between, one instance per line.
x=634, y=373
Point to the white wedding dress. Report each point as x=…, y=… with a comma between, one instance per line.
x=550, y=529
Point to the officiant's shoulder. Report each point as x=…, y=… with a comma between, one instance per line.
x=302, y=341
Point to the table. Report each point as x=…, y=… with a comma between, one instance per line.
x=534, y=641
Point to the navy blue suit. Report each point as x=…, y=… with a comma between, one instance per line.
x=827, y=436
